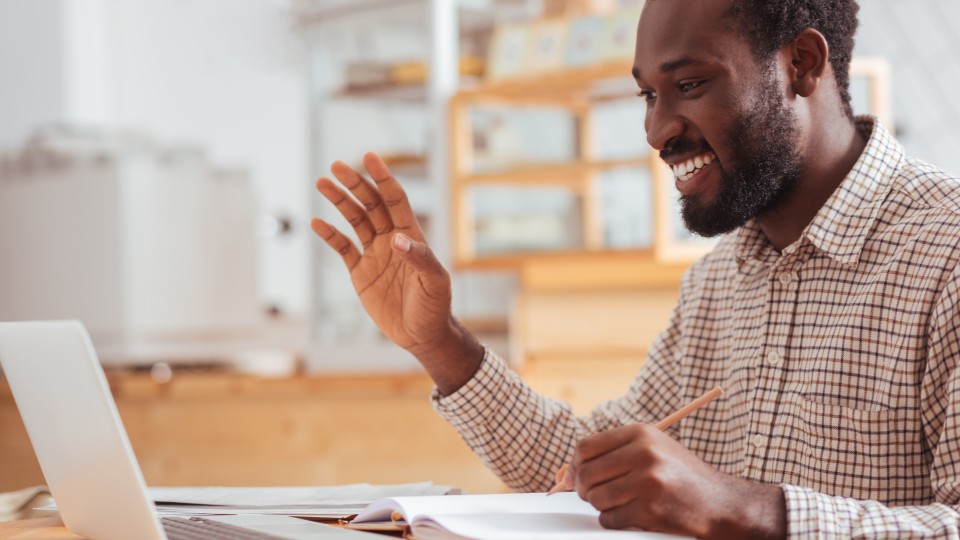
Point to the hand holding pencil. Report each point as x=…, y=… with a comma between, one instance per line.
x=638, y=477
x=565, y=480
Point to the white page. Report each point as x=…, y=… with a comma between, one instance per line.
x=413, y=507
x=502, y=516
x=532, y=526
x=346, y=495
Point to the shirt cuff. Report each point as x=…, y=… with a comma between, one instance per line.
x=814, y=515
x=476, y=394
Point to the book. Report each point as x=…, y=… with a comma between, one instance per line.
x=531, y=516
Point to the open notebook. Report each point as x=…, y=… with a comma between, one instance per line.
x=532, y=516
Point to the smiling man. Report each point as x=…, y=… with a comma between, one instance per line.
x=830, y=313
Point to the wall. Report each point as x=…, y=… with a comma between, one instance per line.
x=31, y=59
x=226, y=76
x=921, y=39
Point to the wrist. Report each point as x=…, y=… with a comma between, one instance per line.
x=453, y=359
x=758, y=511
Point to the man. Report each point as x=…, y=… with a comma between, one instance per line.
x=829, y=314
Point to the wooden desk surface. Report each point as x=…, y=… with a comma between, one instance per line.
x=239, y=430
x=47, y=528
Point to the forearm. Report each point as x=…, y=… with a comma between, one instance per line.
x=520, y=435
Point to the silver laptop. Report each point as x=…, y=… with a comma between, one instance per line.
x=84, y=452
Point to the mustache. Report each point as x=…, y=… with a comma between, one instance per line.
x=684, y=146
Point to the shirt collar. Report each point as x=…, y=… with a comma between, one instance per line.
x=840, y=228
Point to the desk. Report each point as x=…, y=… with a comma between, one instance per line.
x=47, y=528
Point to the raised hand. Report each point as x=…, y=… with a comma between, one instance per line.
x=401, y=284
x=637, y=476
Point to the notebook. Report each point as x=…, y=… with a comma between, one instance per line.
x=531, y=516
x=84, y=452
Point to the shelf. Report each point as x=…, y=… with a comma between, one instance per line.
x=402, y=91
x=550, y=173
x=517, y=261
x=584, y=81
x=606, y=219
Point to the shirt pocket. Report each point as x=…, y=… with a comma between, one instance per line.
x=850, y=452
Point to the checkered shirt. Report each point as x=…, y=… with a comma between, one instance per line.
x=839, y=357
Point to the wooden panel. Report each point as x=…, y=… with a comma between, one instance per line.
x=234, y=430
x=608, y=271
x=596, y=325
x=583, y=382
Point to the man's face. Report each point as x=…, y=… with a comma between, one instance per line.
x=718, y=117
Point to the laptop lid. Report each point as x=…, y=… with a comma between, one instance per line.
x=76, y=432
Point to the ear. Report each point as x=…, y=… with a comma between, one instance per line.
x=808, y=63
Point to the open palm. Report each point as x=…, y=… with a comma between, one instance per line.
x=401, y=284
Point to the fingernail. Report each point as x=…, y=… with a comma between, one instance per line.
x=402, y=243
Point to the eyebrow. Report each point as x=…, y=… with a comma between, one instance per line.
x=673, y=65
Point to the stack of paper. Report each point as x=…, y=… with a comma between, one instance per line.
x=323, y=502
x=317, y=501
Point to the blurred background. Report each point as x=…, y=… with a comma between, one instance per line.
x=157, y=183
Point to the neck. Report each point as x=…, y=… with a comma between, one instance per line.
x=829, y=158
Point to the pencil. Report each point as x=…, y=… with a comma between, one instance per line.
x=682, y=413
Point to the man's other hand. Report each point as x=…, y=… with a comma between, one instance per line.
x=639, y=477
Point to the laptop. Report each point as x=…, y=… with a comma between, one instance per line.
x=84, y=452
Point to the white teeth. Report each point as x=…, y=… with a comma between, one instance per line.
x=689, y=168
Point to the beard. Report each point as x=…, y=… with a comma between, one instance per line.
x=765, y=166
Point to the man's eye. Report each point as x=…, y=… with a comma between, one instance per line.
x=688, y=86
x=647, y=95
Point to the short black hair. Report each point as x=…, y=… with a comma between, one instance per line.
x=771, y=24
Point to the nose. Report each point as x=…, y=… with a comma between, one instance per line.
x=662, y=125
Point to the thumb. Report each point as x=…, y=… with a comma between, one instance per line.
x=421, y=258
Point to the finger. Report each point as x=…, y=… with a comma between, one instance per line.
x=368, y=195
x=600, y=443
x=604, y=468
x=349, y=209
x=629, y=515
x=619, y=491
x=645, y=514
x=393, y=195
x=337, y=241
x=433, y=277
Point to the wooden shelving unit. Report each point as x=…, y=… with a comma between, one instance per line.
x=576, y=91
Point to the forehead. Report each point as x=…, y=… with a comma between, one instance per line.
x=701, y=30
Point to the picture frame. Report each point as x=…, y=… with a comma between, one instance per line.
x=509, y=47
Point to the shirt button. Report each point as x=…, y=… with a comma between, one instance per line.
x=758, y=440
x=773, y=358
x=785, y=278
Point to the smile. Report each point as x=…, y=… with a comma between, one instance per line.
x=689, y=168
